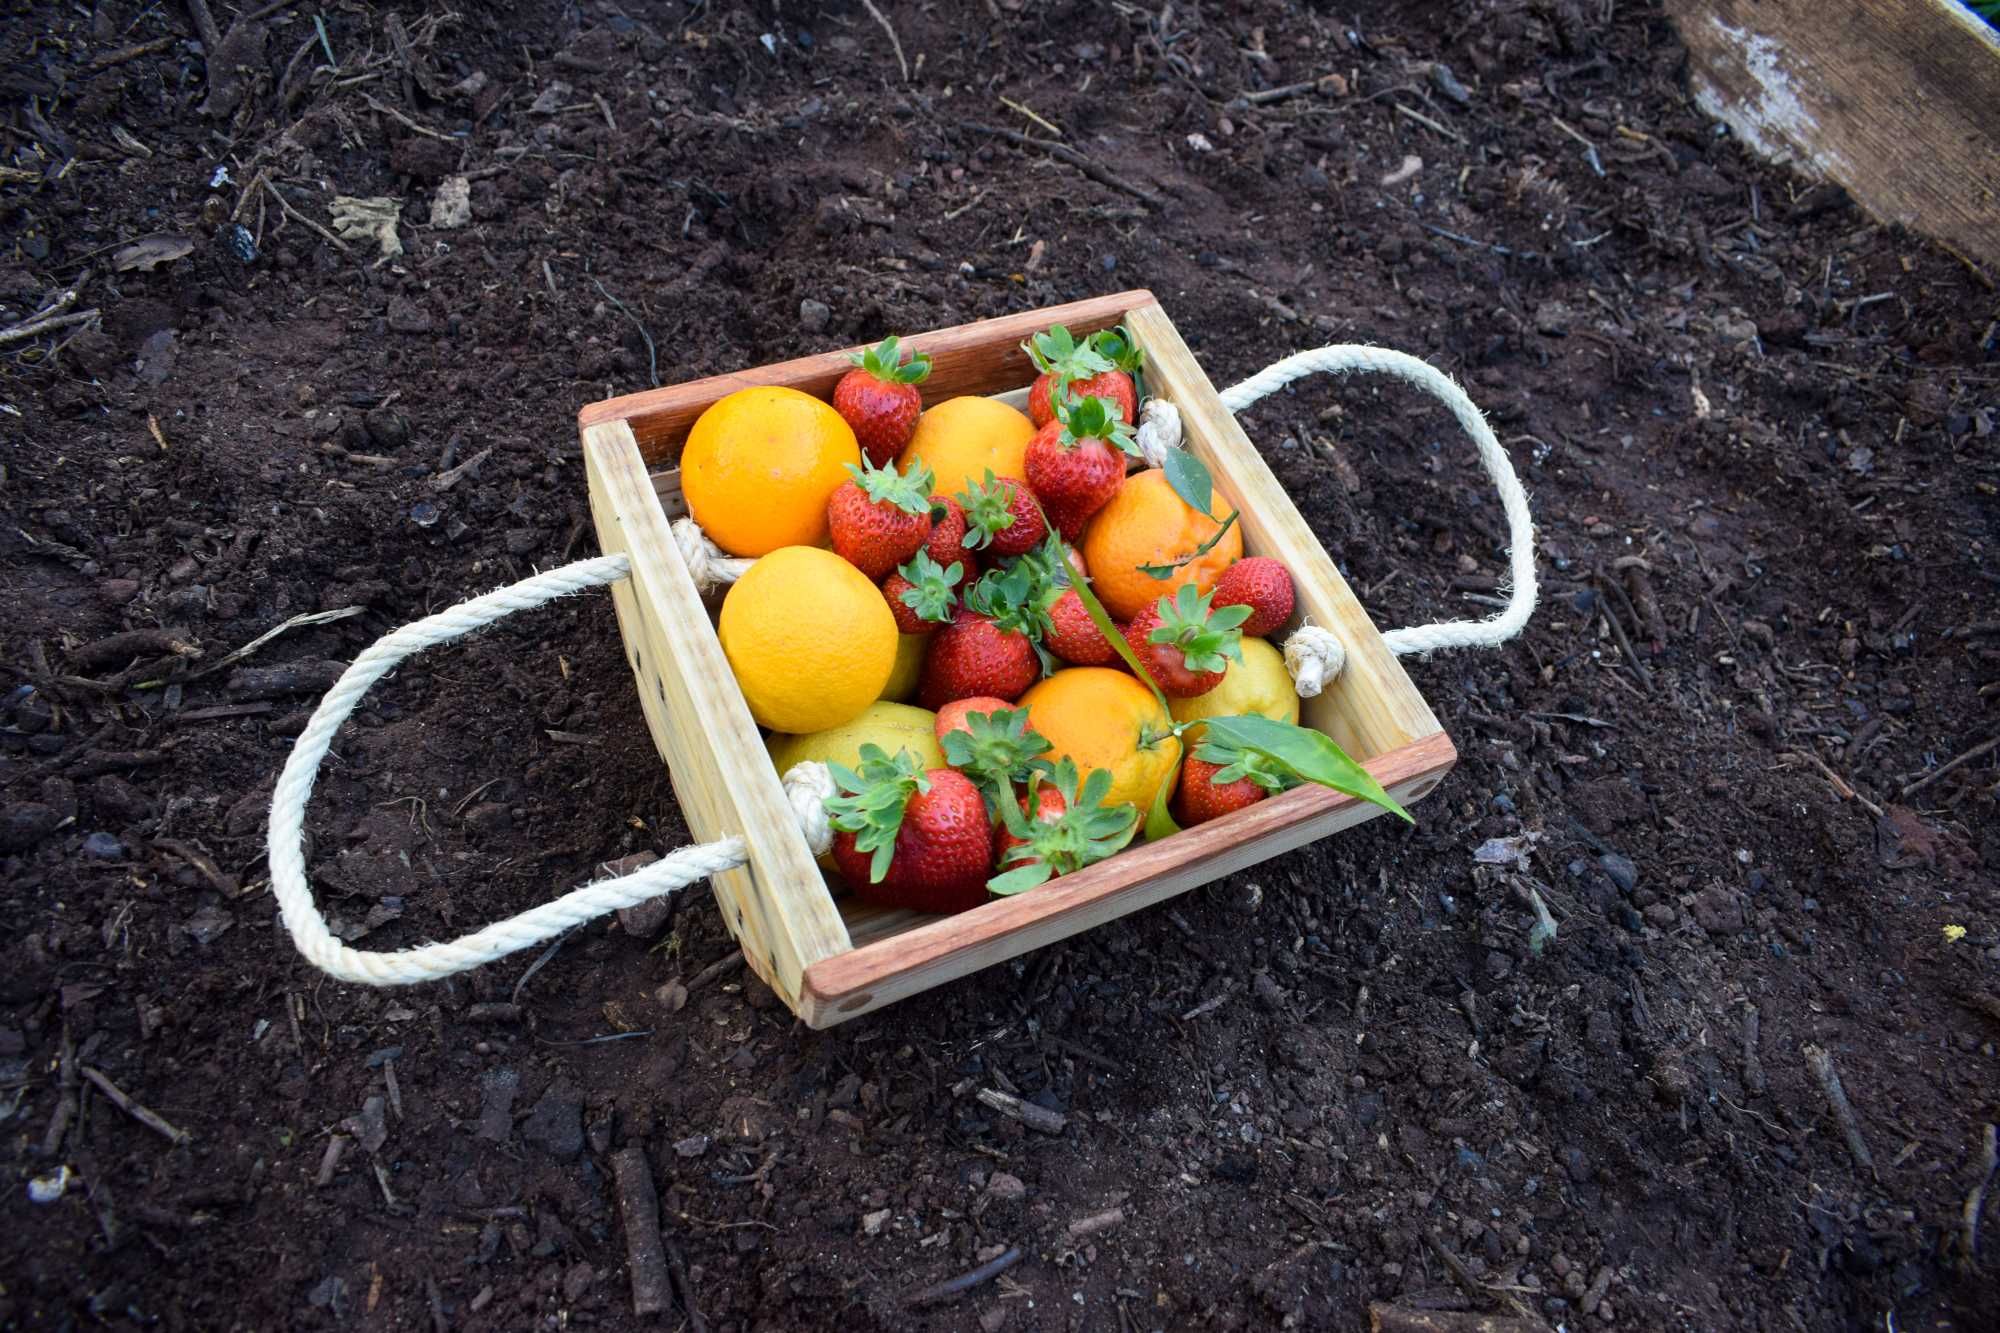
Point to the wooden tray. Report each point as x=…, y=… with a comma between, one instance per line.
x=830, y=957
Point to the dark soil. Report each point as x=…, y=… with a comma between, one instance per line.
x=1324, y=1083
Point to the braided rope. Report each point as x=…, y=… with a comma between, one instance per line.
x=708, y=564
x=805, y=786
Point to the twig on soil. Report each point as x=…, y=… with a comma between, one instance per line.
x=42, y=323
x=120, y=648
x=652, y=354
x=1028, y=1113
x=1426, y=121
x=1088, y=166
x=720, y=967
x=1472, y=1286
x=894, y=40
x=1618, y=631
x=1029, y=112
x=290, y=212
x=1927, y=779
x=204, y=26
x=965, y=1282
x=125, y=53
x=1096, y=1222
x=305, y=618
x=150, y=1119
x=1325, y=83
x=539, y=964
x=66, y=1105
x=394, y=114
x=444, y=481
x=678, y=1265
x=1821, y=1065
x=1840, y=787
x=1753, y=1066
x=329, y=1161
x=1976, y=1200
x=639, y=1207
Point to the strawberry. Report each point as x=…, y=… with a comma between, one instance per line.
x=1002, y=516
x=1218, y=779
x=952, y=716
x=1076, y=463
x=974, y=655
x=996, y=748
x=1073, y=635
x=920, y=594
x=879, y=519
x=947, y=539
x=1262, y=584
x=880, y=399
x=1100, y=365
x=1185, y=643
x=906, y=837
x=1060, y=836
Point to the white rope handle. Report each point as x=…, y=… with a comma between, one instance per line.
x=431, y=962
x=1341, y=358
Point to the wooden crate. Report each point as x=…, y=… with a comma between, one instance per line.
x=830, y=956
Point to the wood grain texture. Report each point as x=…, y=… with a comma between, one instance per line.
x=778, y=907
x=946, y=948
x=1372, y=707
x=1898, y=101
x=979, y=358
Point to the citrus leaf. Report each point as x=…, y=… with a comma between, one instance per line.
x=1189, y=477
x=1311, y=754
x=1109, y=629
x=1020, y=879
x=1160, y=824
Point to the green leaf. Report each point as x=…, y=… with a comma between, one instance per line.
x=1109, y=629
x=1086, y=832
x=989, y=510
x=1190, y=479
x=908, y=491
x=1021, y=878
x=930, y=594
x=869, y=802
x=1167, y=571
x=996, y=750
x=1207, y=637
x=1160, y=824
x=1311, y=754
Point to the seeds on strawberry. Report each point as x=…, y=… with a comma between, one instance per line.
x=880, y=399
x=880, y=518
x=1186, y=643
x=1073, y=635
x=1076, y=462
x=1002, y=515
x=947, y=540
x=907, y=837
x=1262, y=584
x=972, y=655
x=921, y=595
x=1200, y=798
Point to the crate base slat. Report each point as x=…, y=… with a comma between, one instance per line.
x=830, y=956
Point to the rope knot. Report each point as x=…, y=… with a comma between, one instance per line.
x=808, y=786
x=1159, y=430
x=1315, y=657
x=708, y=564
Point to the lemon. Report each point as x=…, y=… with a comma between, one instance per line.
x=809, y=638
x=909, y=666
x=962, y=437
x=892, y=726
x=1258, y=684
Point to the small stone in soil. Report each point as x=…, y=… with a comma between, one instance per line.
x=496, y=1111
x=209, y=924
x=694, y=1145
x=25, y=823
x=1621, y=870
x=103, y=847
x=556, y=1123
x=387, y=427
x=1005, y=1186
x=814, y=316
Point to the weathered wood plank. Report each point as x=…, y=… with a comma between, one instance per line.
x=1898, y=101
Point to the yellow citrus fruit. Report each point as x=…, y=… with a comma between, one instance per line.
x=760, y=465
x=1147, y=524
x=1106, y=719
x=810, y=639
x=902, y=684
x=892, y=726
x=1258, y=684
x=962, y=437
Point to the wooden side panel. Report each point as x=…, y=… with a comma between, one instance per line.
x=778, y=906
x=979, y=358
x=947, y=948
x=1372, y=708
x=1896, y=100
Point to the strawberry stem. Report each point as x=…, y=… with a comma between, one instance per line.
x=908, y=491
x=885, y=362
x=869, y=802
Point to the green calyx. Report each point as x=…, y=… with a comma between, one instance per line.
x=989, y=510
x=869, y=802
x=1086, y=832
x=1115, y=346
x=1055, y=352
x=885, y=362
x=1238, y=763
x=1094, y=418
x=908, y=491
x=1018, y=596
x=996, y=750
x=931, y=592
x=1207, y=637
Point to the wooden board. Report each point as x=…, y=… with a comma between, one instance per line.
x=1372, y=707
x=947, y=948
x=981, y=358
x=778, y=908
x=1898, y=101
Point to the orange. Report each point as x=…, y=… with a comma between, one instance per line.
x=1147, y=524
x=962, y=437
x=1106, y=719
x=760, y=465
x=809, y=638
